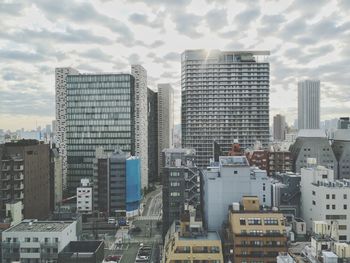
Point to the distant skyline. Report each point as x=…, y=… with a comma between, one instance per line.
x=307, y=39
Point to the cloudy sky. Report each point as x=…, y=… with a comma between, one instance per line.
x=307, y=39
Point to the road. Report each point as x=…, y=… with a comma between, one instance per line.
x=155, y=206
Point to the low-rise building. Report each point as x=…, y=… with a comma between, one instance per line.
x=84, y=197
x=186, y=241
x=36, y=241
x=82, y=252
x=279, y=162
x=254, y=234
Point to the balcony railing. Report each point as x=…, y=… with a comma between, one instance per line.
x=19, y=177
x=5, y=187
x=5, y=168
x=5, y=177
x=19, y=187
x=18, y=168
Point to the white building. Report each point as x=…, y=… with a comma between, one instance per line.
x=309, y=104
x=84, y=197
x=325, y=199
x=61, y=114
x=141, y=120
x=228, y=182
x=37, y=241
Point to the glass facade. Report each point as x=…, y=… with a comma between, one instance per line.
x=100, y=113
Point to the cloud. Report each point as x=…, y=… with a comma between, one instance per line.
x=187, y=24
x=18, y=55
x=97, y=54
x=216, y=19
x=246, y=17
x=172, y=56
x=142, y=19
x=134, y=59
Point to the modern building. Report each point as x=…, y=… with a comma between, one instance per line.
x=152, y=98
x=100, y=113
x=84, y=197
x=141, y=117
x=315, y=145
x=25, y=177
x=309, y=104
x=341, y=149
x=165, y=120
x=255, y=234
x=228, y=181
x=82, y=252
x=344, y=123
x=181, y=184
x=225, y=97
x=325, y=199
x=187, y=241
x=37, y=241
x=279, y=127
x=61, y=115
x=117, y=184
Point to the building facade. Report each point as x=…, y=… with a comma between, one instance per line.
x=82, y=252
x=279, y=127
x=61, y=115
x=225, y=97
x=181, y=184
x=165, y=120
x=341, y=149
x=309, y=104
x=152, y=98
x=141, y=117
x=25, y=177
x=84, y=197
x=279, y=162
x=100, y=112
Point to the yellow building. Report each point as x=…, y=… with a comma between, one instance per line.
x=255, y=236
x=187, y=242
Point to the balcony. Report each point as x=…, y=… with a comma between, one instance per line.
x=18, y=168
x=6, y=197
x=5, y=168
x=19, y=196
x=19, y=177
x=5, y=187
x=19, y=187
x=5, y=177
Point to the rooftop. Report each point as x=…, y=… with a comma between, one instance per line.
x=82, y=246
x=40, y=226
x=210, y=235
x=233, y=161
x=312, y=133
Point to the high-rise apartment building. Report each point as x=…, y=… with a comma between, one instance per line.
x=279, y=127
x=59, y=126
x=225, y=97
x=309, y=104
x=165, y=120
x=152, y=98
x=141, y=116
x=100, y=113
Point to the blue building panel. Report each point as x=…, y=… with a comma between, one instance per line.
x=133, y=183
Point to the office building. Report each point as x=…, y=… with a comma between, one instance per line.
x=141, y=117
x=325, y=199
x=25, y=177
x=228, y=181
x=315, y=145
x=100, y=113
x=341, y=149
x=344, y=123
x=186, y=241
x=279, y=127
x=152, y=98
x=181, y=184
x=84, y=197
x=165, y=120
x=225, y=97
x=82, y=252
x=117, y=184
x=309, y=104
x=255, y=234
x=61, y=115
x=37, y=241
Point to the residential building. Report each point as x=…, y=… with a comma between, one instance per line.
x=84, y=197
x=165, y=120
x=61, y=115
x=25, y=177
x=186, y=241
x=312, y=144
x=254, y=234
x=279, y=127
x=228, y=181
x=225, y=97
x=141, y=120
x=56, y=178
x=279, y=162
x=152, y=98
x=325, y=199
x=117, y=184
x=82, y=252
x=100, y=113
x=37, y=241
x=341, y=149
x=181, y=184
x=309, y=104
x=259, y=158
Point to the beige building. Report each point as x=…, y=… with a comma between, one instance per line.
x=187, y=242
x=254, y=235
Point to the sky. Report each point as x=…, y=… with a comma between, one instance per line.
x=307, y=39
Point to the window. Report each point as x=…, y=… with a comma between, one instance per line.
x=271, y=221
x=235, y=172
x=313, y=193
x=327, y=206
x=175, y=174
x=242, y=221
x=254, y=221
x=174, y=184
x=335, y=217
x=27, y=239
x=345, y=207
x=333, y=207
x=342, y=227
x=313, y=202
x=327, y=196
x=324, y=176
x=35, y=239
x=333, y=196
x=345, y=196
x=343, y=237
x=175, y=194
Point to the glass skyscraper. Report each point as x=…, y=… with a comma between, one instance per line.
x=100, y=113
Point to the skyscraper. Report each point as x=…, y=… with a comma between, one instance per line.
x=309, y=104
x=165, y=119
x=279, y=127
x=141, y=128
x=225, y=97
x=61, y=115
x=152, y=98
x=100, y=113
